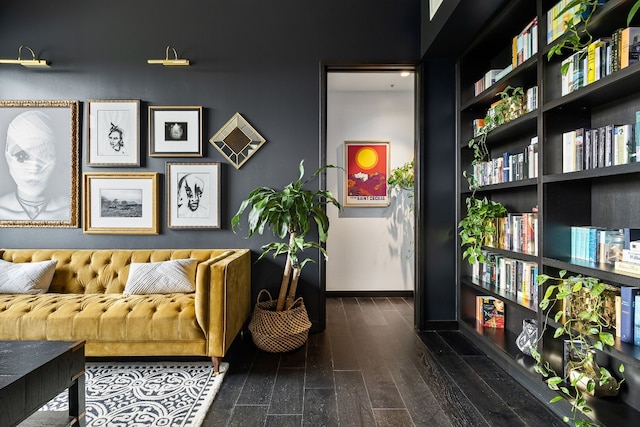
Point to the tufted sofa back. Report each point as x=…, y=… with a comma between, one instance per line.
x=98, y=271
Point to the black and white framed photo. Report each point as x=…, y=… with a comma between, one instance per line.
x=114, y=133
x=39, y=182
x=121, y=203
x=193, y=195
x=175, y=131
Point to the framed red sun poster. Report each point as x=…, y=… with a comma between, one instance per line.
x=367, y=170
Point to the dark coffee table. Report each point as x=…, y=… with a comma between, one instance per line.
x=34, y=372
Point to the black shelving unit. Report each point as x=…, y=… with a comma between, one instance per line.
x=605, y=197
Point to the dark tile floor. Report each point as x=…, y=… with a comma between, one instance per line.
x=370, y=368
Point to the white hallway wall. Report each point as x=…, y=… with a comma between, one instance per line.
x=370, y=249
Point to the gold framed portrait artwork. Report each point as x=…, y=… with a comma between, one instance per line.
x=39, y=185
x=121, y=203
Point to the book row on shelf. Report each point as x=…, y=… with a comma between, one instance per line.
x=517, y=232
x=523, y=46
x=559, y=15
x=530, y=103
x=609, y=145
x=511, y=166
x=600, y=58
x=508, y=275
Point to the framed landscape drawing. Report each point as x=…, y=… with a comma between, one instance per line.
x=40, y=167
x=193, y=195
x=367, y=170
x=113, y=135
x=121, y=203
x=175, y=131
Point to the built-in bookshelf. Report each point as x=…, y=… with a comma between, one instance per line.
x=588, y=195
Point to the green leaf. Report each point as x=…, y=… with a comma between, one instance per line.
x=559, y=332
x=607, y=338
x=632, y=12
x=556, y=399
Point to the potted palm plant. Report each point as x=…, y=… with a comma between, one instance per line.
x=290, y=214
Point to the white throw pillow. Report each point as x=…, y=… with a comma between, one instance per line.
x=26, y=277
x=163, y=277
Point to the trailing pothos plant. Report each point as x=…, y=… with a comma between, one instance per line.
x=577, y=35
x=290, y=213
x=587, y=329
x=402, y=178
x=480, y=222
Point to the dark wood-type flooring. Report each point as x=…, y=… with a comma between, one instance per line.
x=370, y=368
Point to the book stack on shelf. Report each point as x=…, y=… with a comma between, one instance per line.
x=508, y=275
x=523, y=46
x=511, y=166
x=490, y=311
x=600, y=58
x=605, y=146
x=629, y=261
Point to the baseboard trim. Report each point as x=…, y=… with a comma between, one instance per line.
x=365, y=294
x=440, y=325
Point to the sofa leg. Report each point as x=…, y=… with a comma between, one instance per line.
x=216, y=364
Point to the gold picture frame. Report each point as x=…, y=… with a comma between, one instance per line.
x=120, y=203
x=39, y=183
x=175, y=131
x=237, y=140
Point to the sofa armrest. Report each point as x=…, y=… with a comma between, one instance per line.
x=223, y=298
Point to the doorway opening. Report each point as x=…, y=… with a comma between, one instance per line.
x=371, y=249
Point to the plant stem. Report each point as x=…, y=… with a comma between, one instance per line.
x=284, y=285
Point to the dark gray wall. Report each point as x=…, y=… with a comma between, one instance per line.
x=260, y=58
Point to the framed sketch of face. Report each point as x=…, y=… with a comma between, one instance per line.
x=175, y=131
x=193, y=195
x=39, y=182
x=121, y=203
x=113, y=135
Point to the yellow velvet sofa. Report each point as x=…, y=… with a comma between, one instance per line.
x=85, y=301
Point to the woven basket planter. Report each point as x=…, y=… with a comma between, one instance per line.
x=279, y=331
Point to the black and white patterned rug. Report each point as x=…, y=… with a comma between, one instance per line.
x=146, y=394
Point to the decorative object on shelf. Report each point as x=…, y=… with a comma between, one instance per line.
x=113, y=136
x=170, y=62
x=237, y=140
x=29, y=63
x=367, y=169
x=120, y=203
x=39, y=182
x=585, y=332
x=289, y=212
x=279, y=331
x=193, y=195
x=528, y=337
x=175, y=131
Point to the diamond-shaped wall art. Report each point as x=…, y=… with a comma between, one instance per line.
x=237, y=140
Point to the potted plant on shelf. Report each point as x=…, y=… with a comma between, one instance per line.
x=582, y=309
x=479, y=226
x=289, y=213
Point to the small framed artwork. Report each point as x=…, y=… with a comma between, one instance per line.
x=237, y=140
x=39, y=178
x=367, y=170
x=114, y=130
x=121, y=203
x=193, y=195
x=175, y=131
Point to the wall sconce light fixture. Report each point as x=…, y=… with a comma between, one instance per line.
x=31, y=63
x=169, y=62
